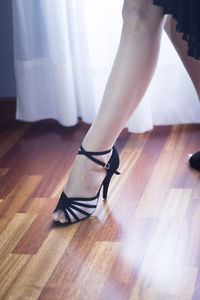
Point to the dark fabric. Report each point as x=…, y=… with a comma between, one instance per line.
x=187, y=15
x=195, y=161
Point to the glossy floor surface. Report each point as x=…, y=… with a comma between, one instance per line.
x=143, y=243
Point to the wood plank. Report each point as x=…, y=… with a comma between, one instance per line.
x=7, y=110
x=13, y=233
x=3, y=172
x=74, y=257
x=136, y=236
x=10, y=269
x=10, y=138
x=188, y=244
x=16, y=198
x=94, y=271
x=153, y=198
x=32, y=240
x=176, y=204
x=177, y=139
x=10, y=180
x=55, y=162
x=37, y=271
x=33, y=205
x=19, y=194
x=58, y=189
x=159, y=268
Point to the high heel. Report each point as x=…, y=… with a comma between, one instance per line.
x=77, y=209
x=194, y=160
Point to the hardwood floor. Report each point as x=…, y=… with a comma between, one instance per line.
x=143, y=243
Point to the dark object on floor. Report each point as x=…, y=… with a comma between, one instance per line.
x=194, y=161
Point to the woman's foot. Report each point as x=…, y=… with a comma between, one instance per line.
x=84, y=180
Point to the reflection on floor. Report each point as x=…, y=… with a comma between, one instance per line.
x=143, y=243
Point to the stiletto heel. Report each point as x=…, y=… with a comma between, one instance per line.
x=105, y=186
x=77, y=209
x=113, y=165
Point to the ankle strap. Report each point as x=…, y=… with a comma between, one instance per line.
x=94, y=153
x=89, y=153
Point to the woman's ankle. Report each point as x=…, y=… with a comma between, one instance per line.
x=91, y=146
x=85, y=178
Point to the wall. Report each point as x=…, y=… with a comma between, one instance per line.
x=7, y=79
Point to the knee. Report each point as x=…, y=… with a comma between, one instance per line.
x=141, y=13
x=133, y=11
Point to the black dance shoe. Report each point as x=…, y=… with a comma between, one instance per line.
x=77, y=209
x=194, y=160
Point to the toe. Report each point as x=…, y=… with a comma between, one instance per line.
x=62, y=218
x=59, y=215
x=56, y=215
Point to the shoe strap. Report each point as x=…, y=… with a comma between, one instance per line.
x=89, y=155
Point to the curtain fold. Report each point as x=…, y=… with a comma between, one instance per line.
x=64, y=51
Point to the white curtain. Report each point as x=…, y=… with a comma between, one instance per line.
x=64, y=51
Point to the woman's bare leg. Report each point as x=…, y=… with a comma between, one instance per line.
x=192, y=65
x=131, y=73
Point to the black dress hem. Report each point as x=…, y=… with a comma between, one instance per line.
x=187, y=15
